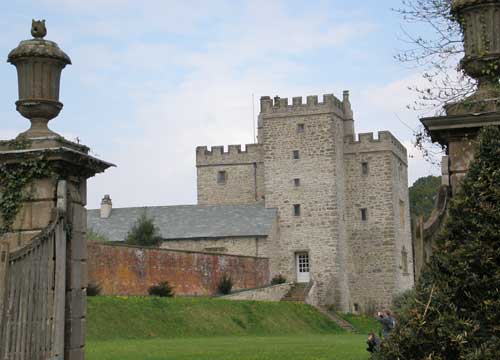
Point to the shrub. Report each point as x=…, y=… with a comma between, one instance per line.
x=455, y=311
x=225, y=285
x=278, y=279
x=143, y=233
x=93, y=289
x=162, y=289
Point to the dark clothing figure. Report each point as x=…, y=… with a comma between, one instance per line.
x=388, y=323
x=373, y=343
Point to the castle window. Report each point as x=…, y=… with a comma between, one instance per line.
x=296, y=210
x=296, y=154
x=404, y=261
x=364, y=168
x=364, y=214
x=300, y=128
x=356, y=308
x=296, y=182
x=402, y=213
x=221, y=177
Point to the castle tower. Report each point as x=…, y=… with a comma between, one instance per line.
x=304, y=179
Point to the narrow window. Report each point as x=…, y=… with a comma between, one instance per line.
x=364, y=168
x=296, y=210
x=296, y=182
x=364, y=214
x=221, y=177
x=296, y=154
x=356, y=308
x=300, y=128
x=404, y=260
x=402, y=213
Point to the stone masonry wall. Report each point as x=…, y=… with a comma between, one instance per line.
x=316, y=229
x=374, y=250
x=128, y=270
x=244, y=182
x=243, y=245
x=268, y=293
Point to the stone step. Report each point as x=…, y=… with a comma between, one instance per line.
x=336, y=318
x=297, y=292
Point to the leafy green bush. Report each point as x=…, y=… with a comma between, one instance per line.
x=162, y=289
x=225, y=285
x=93, y=289
x=144, y=233
x=455, y=313
x=278, y=279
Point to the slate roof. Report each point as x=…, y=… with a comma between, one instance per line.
x=188, y=221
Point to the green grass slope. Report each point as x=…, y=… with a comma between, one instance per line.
x=363, y=324
x=110, y=318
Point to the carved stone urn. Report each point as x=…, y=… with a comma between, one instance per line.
x=480, y=23
x=39, y=65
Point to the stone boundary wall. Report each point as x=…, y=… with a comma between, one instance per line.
x=131, y=270
x=268, y=293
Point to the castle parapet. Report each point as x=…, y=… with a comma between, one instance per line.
x=367, y=143
x=234, y=156
x=279, y=107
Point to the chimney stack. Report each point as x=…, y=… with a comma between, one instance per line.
x=106, y=207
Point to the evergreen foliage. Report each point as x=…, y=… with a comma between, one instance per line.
x=225, y=285
x=144, y=233
x=455, y=313
x=423, y=195
x=278, y=279
x=163, y=289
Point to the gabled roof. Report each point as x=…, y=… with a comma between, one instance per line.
x=188, y=221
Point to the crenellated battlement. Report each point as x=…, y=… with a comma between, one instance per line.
x=367, y=143
x=278, y=107
x=234, y=155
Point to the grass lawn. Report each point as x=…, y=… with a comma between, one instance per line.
x=148, y=328
x=307, y=347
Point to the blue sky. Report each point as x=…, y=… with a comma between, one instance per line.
x=151, y=80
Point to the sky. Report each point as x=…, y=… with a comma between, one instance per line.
x=153, y=79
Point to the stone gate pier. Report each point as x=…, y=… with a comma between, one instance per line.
x=43, y=177
x=457, y=131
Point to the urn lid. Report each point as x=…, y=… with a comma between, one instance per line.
x=38, y=47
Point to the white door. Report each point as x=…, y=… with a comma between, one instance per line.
x=302, y=264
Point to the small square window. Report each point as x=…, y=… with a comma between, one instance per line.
x=296, y=154
x=364, y=214
x=296, y=182
x=364, y=168
x=221, y=177
x=296, y=210
x=300, y=128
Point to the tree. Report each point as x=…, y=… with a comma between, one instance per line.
x=144, y=232
x=437, y=52
x=423, y=195
x=455, y=313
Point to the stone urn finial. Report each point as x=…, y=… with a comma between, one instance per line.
x=39, y=65
x=480, y=23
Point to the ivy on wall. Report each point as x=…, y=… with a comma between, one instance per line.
x=15, y=179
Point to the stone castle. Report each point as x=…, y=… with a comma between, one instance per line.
x=342, y=204
x=327, y=207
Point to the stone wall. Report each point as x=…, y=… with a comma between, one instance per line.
x=244, y=175
x=376, y=244
x=247, y=246
x=128, y=270
x=268, y=293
